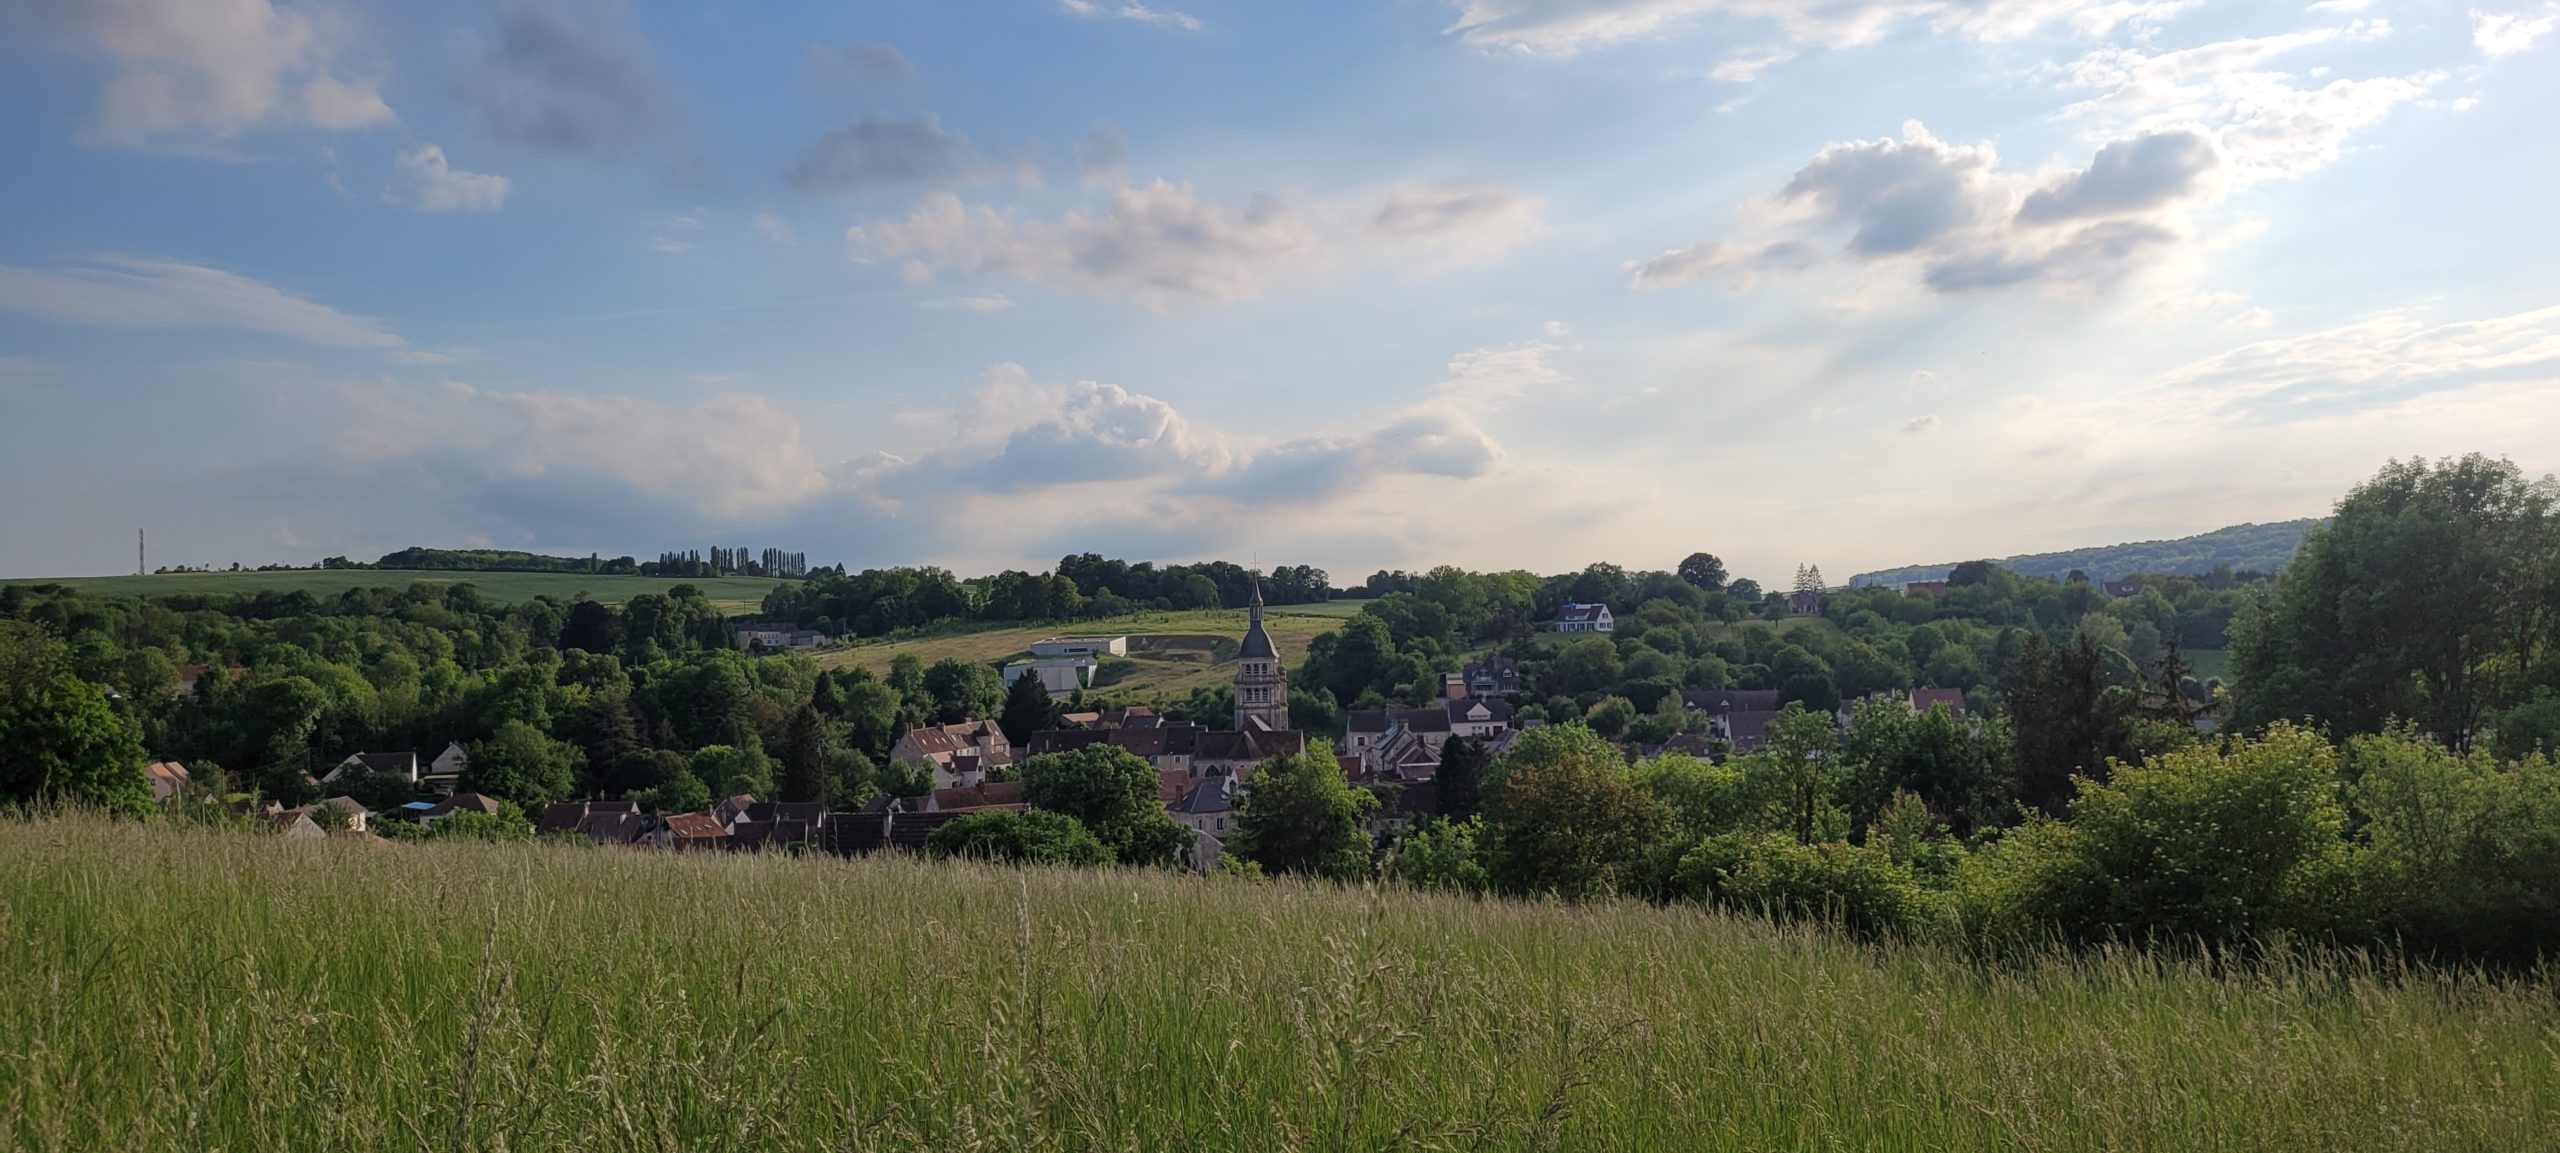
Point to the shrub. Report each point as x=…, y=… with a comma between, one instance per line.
x=1859, y=888
x=1441, y=855
x=2461, y=854
x=1030, y=837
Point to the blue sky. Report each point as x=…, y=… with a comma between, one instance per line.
x=1494, y=282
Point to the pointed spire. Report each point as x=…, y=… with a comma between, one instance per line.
x=1256, y=603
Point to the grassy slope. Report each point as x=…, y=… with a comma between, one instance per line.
x=1169, y=671
x=177, y=989
x=733, y=594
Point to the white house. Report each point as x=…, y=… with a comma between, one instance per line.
x=1092, y=647
x=1585, y=619
x=446, y=770
x=401, y=765
x=1059, y=675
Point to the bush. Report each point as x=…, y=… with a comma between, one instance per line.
x=1441, y=855
x=2461, y=854
x=1860, y=889
x=2199, y=845
x=1031, y=837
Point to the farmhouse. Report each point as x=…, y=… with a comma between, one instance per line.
x=1580, y=618
x=957, y=754
x=1092, y=647
x=1059, y=675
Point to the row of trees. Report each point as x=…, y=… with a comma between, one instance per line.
x=880, y=601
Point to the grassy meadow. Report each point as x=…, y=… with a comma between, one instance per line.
x=1170, y=653
x=174, y=988
x=734, y=595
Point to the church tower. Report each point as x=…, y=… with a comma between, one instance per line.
x=1262, y=690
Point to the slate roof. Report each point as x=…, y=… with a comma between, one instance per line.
x=1253, y=745
x=399, y=764
x=1582, y=613
x=1749, y=728
x=1730, y=700
x=462, y=801
x=806, y=812
x=1205, y=798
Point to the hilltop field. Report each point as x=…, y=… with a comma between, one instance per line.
x=733, y=595
x=1170, y=653
x=167, y=987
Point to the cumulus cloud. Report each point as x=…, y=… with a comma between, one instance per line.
x=1965, y=223
x=2267, y=123
x=881, y=154
x=1457, y=224
x=1161, y=245
x=422, y=179
x=567, y=76
x=1016, y=436
x=1566, y=27
x=188, y=69
x=2134, y=175
x=734, y=456
x=2507, y=33
x=1131, y=10
x=143, y=293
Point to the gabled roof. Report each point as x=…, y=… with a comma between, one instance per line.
x=767, y=812
x=694, y=827
x=1730, y=700
x=1749, y=726
x=460, y=802
x=1251, y=745
x=1922, y=700
x=1207, y=797
x=1580, y=613
x=1171, y=784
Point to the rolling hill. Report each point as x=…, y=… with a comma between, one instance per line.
x=2244, y=547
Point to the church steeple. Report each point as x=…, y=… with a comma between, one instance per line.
x=1262, y=689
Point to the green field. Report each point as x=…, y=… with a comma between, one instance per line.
x=1170, y=654
x=732, y=594
x=174, y=988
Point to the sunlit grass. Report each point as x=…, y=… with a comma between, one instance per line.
x=184, y=989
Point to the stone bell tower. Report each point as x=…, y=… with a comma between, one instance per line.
x=1262, y=690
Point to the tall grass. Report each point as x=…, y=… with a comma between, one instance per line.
x=173, y=988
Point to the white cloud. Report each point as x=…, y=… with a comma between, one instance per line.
x=2269, y=127
x=1131, y=10
x=143, y=293
x=670, y=245
x=1566, y=27
x=1498, y=377
x=2249, y=321
x=730, y=457
x=2507, y=33
x=1920, y=425
x=2393, y=355
x=422, y=179
x=1745, y=69
x=774, y=228
x=1161, y=245
x=1457, y=224
x=1950, y=211
x=186, y=69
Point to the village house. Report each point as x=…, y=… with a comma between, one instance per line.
x=2121, y=589
x=1582, y=618
x=603, y=822
x=446, y=771
x=992, y=795
x=401, y=765
x=1491, y=676
x=357, y=819
x=459, y=803
x=1207, y=807
x=1060, y=675
x=1952, y=700
x=776, y=637
x=1092, y=648
x=168, y=780
x=689, y=831
x=958, y=754
x=296, y=825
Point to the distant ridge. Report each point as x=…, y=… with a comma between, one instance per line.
x=2263, y=547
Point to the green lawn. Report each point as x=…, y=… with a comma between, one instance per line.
x=171, y=988
x=733, y=594
x=1170, y=654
